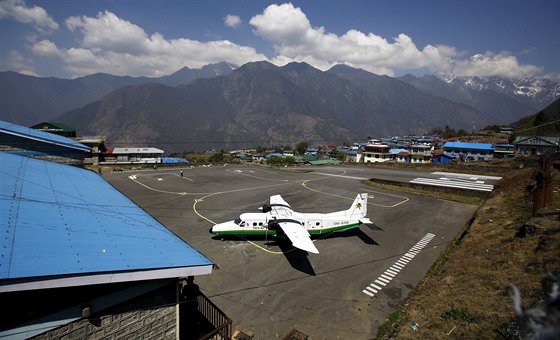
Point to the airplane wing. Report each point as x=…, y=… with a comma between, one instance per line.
x=298, y=235
x=278, y=207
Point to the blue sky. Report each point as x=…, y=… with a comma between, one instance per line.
x=67, y=39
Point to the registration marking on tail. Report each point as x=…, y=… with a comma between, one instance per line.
x=392, y=271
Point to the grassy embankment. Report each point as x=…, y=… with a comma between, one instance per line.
x=463, y=295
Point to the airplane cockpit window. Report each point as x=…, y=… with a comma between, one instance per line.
x=237, y=220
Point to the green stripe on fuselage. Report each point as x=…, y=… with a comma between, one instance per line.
x=333, y=229
x=247, y=232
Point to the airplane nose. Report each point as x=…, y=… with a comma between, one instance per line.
x=210, y=230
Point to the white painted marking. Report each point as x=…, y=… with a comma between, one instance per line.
x=453, y=184
x=380, y=283
x=376, y=287
x=382, y=279
x=367, y=293
x=392, y=271
x=371, y=289
x=386, y=277
x=454, y=174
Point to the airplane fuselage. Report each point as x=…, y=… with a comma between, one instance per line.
x=263, y=223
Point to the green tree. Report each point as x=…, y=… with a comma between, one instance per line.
x=216, y=157
x=301, y=147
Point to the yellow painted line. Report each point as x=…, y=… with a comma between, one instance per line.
x=240, y=172
x=184, y=177
x=404, y=198
x=238, y=190
x=153, y=189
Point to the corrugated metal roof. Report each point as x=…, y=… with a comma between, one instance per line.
x=46, y=137
x=472, y=146
x=62, y=220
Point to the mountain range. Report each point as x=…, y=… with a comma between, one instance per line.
x=222, y=106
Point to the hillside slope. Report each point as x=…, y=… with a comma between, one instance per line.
x=464, y=294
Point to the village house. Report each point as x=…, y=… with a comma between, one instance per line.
x=536, y=145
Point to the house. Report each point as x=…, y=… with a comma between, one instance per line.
x=420, y=153
x=400, y=155
x=56, y=128
x=504, y=150
x=470, y=151
x=80, y=260
x=28, y=142
x=536, y=145
x=441, y=157
x=351, y=156
x=376, y=153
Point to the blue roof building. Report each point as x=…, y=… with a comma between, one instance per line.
x=24, y=141
x=65, y=226
x=78, y=257
x=470, y=151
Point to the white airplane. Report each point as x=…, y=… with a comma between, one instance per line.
x=278, y=219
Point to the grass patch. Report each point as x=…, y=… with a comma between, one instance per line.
x=463, y=293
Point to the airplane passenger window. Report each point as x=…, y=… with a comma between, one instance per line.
x=317, y=223
x=254, y=224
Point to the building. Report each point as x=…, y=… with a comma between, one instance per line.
x=441, y=157
x=56, y=128
x=400, y=155
x=132, y=156
x=504, y=150
x=420, y=154
x=376, y=153
x=28, y=142
x=536, y=145
x=80, y=260
x=470, y=151
x=97, y=147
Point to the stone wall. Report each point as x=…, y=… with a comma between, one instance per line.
x=152, y=315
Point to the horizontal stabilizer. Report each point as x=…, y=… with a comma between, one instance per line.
x=368, y=223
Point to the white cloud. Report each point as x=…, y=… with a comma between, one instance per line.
x=46, y=48
x=36, y=16
x=20, y=64
x=232, y=21
x=108, y=43
x=294, y=39
x=113, y=45
x=490, y=64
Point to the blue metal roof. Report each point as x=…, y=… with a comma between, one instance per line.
x=472, y=146
x=62, y=220
x=42, y=136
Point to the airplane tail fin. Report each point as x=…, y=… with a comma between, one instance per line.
x=358, y=208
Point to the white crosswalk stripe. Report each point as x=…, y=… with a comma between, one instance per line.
x=390, y=273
